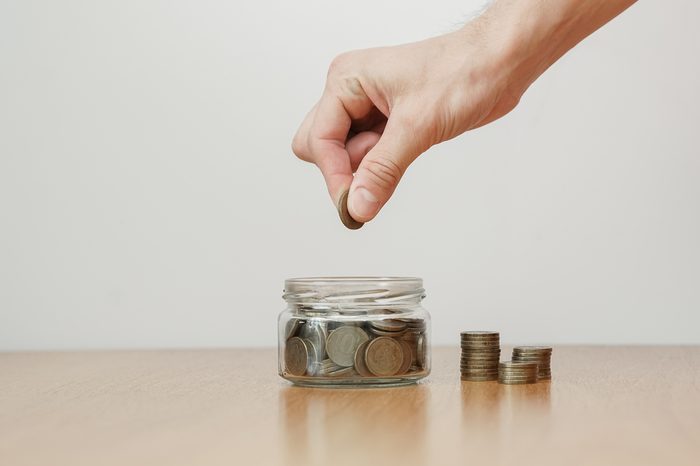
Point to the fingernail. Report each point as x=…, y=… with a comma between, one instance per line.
x=363, y=204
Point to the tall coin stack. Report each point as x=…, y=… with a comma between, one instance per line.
x=515, y=373
x=481, y=352
x=542, y=355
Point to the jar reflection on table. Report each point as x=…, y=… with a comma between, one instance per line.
x=354, y=331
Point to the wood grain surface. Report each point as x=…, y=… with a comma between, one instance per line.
x=604, y=406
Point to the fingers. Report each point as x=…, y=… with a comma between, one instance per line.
x=359, y=145
x=326, y=143
x=380, y=171
x=321, y=139
x=300, y=142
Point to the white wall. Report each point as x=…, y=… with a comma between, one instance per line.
x=149, y=198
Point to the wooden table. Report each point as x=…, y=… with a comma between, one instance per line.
x=605, y=405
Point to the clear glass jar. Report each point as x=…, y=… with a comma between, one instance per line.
x=354, y=331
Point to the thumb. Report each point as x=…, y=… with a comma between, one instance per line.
x=381, y=170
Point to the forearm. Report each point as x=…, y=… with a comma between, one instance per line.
x=531, y=35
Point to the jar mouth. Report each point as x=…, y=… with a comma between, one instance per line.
x=356, y=289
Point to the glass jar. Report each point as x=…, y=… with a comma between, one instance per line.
x=354, y=331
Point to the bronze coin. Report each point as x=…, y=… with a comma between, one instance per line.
x=407, y=357
x=345, y=217
x=360, y=365
x=384, y=356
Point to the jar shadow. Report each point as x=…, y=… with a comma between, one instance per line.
x=353, y=426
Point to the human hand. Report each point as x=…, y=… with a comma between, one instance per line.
x=383, y=107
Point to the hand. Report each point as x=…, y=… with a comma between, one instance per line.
x=383, y=107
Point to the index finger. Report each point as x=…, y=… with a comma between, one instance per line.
x=327, y=144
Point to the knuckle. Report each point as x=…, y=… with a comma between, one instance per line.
x=383, y=172
x=340, y=63
x=299, y=147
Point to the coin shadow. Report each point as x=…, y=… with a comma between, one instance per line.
x=530, y=401
x=353, y=426
x=481, y=405
x=490, y=407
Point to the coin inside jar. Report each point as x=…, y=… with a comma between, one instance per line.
x=420, y=351
x=407, y=357
x=315, y=333
x=384, y=356
x=296, y=356
x=342, y=344
x=360, y=365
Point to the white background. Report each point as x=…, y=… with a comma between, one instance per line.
x=149, y=197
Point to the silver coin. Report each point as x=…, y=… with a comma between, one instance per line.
x=315, y=332
x=421, y=348
x=341, y=372
x=532, y=349
x=518, y=365
x=296, y=356
x=383, y=333
x=479, y=334
x=292, y=327
x=389, y=325
x=342, y=344
x=473, y=378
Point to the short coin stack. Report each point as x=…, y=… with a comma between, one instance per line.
x=481, y=352
x=514, y=373
x=542, y=355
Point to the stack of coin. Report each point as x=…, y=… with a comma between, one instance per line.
x=481, y=352
x=542, y=355
x=513, y=373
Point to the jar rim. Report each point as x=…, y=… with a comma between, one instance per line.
x=353, y=289
x=351, y=280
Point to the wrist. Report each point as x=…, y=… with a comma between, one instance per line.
x=527, y=36
x=522, y=45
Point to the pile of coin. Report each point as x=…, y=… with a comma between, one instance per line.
x=513, y=373
x=542, y=355
x=373, y=348
x=481, y=352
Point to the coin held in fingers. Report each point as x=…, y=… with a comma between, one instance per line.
x=344, y=214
